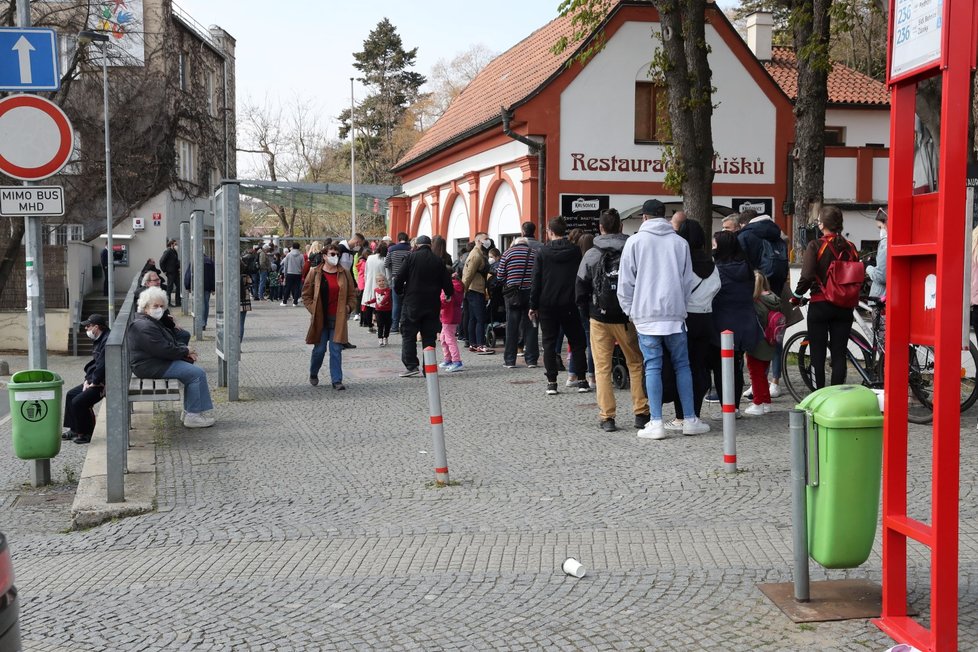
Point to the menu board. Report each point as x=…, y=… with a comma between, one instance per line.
x=917, y=27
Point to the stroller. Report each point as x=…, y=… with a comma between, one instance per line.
x=495, y=316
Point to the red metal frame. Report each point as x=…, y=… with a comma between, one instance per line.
x=919, y=245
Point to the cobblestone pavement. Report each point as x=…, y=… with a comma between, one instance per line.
x=306, y=520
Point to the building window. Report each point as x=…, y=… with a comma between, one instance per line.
x=211, y=91
x=67, y=45
x=651, y=114
x=835, y=136
x=184, y=71
x=186, y=160
x=62, y=234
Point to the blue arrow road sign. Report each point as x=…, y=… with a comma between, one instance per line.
x=28, y=59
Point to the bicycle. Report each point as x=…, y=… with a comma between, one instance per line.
x=867, y=361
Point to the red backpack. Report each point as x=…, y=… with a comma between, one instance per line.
x=844, y=278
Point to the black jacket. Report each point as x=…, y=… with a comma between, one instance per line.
x=95, y=369
x=422, y=279
x=152, y=347
x=750, y=237
x=170, y=263
x=555, y=275
x=188, y=276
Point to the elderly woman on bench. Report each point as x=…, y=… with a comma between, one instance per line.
x=155, y=353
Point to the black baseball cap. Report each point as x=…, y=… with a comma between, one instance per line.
x=95, y=320
x=654, y=208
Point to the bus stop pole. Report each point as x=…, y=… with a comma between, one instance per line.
x=799, y=508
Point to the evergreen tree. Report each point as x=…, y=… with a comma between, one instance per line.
x=381, y=135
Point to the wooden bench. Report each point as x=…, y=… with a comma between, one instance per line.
x=154, y=389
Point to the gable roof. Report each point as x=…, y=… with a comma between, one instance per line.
x=846, y=86
x=509, y=78
x=516, y=75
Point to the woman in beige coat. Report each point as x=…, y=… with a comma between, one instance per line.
x=329, y=294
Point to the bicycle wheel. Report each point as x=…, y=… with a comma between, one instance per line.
x=797, y=368
x=922, y=375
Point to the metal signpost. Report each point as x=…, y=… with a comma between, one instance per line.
x=197, y=284
x=184, y=261
x=227, y=238
x=36, y=141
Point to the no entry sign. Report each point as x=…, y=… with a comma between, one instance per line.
x=36, y=139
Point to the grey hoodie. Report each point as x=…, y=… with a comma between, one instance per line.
x=655, y=277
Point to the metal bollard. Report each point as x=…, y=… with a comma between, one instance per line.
x=729, y=402
x=434, y=408
x=799, y=507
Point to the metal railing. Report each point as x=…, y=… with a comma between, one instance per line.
x=117, y=374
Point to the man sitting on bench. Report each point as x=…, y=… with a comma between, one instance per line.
x=79, y=420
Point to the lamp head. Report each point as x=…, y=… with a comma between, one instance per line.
x=90, y=36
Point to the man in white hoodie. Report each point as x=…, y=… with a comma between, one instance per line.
x=655, y=279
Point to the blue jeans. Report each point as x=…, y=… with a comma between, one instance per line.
x=651, y=346
x=196, y=395
x=262, y=282
x=776, y=361
x=335, y=355
x=395, y=312
x=207, y=309
x=241, y=329
x=476, y=303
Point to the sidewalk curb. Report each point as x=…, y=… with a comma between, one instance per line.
x=90, y=507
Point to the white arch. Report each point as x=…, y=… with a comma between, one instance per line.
x=458, y=224
x=504, y=216
x=424, y=224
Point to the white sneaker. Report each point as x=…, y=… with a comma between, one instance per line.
x=197, y=420
x=654, y=430
x=693, y=426
x=748, y=393
x=571, y=382
x=755, y=410
x=775, y=389
x=676, y=425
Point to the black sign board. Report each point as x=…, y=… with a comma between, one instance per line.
x=763, y=205
x=582, y=211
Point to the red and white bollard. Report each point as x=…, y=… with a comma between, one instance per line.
x=434, y=408
x=728, y=401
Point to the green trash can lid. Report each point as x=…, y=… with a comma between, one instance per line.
x=844, y=406
x=35, y=376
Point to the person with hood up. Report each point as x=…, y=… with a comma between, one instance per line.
x=553, y=301
x=733, y=306
x=655, y=281
x=597, y=293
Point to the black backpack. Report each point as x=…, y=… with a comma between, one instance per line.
x=605, y=295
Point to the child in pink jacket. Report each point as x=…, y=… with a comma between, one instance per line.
x=451, y=316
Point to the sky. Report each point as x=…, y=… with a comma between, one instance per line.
x=304, y=48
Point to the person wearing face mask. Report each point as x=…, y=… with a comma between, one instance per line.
x=877, y=272
x=474, y=275
x=329, y=294
x=79, y=421
x=154, y=352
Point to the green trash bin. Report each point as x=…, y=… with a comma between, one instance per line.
x=35, y=413
x=845, y=462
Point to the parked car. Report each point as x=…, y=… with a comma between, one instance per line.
x=9, y=626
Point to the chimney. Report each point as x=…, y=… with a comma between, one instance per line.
x=760, y=25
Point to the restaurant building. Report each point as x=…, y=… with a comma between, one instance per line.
x=537, y=134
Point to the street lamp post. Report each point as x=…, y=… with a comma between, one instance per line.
x=353, y=166
x=85, y=38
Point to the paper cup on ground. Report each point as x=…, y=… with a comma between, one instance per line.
x=573, y=567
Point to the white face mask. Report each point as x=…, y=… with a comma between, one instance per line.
x=882, y=231
x=156, y=313
x=92, y=335
x=332, y=260
x=492, y=261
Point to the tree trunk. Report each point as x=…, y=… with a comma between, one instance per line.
x=689, y=82
x=811, y=32
x=10, y=252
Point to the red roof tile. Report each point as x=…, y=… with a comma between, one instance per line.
x=846, y=86
x=509, y=78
